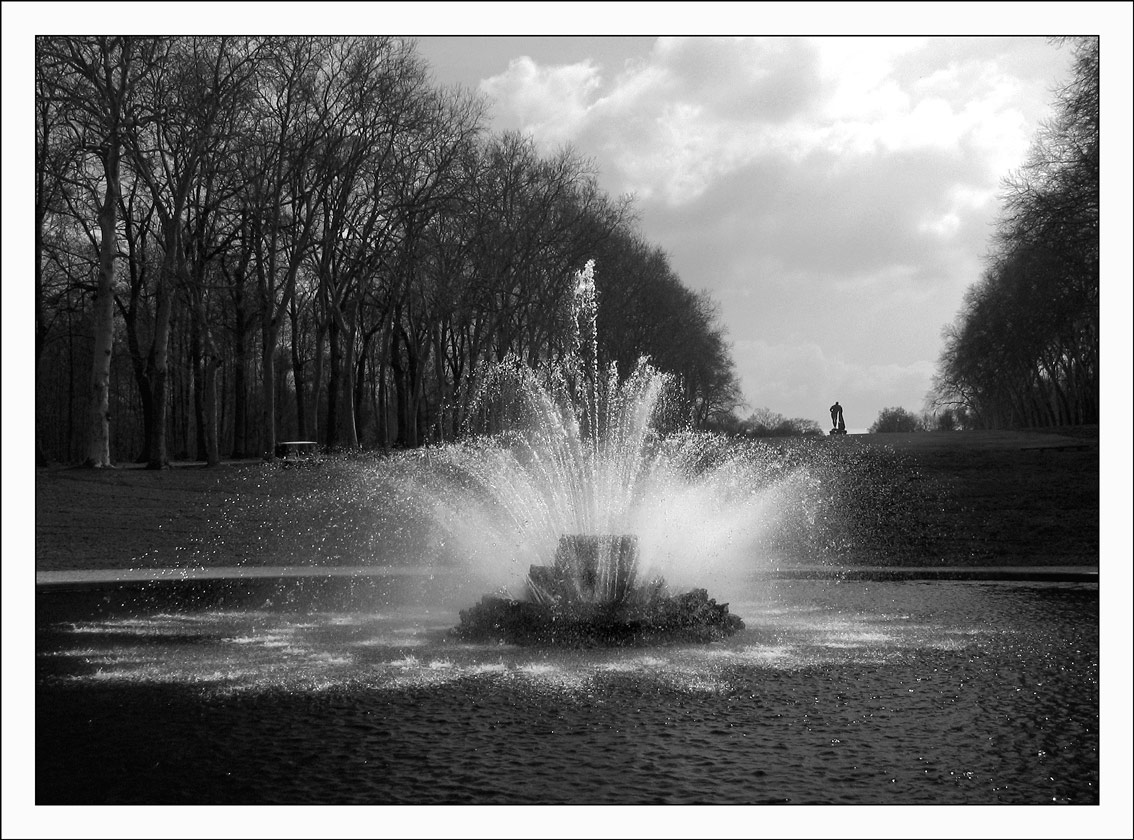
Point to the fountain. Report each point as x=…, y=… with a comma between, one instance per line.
x=567, y=469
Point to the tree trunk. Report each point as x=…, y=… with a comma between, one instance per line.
x=273, y=311
x=40, y=321
x=297, y=374
x=142, y=379
x=197, y=364
x=98, y=414
x=158, y=443
x=407, y=389
x=317, y=380
x=239, y=385
x=212, y=435
x=346, y=417
x=350, y=430
x=400, y=397
x=268, y=414
x=437, y=336
x=205, y=383
x=333, y=382
x=360, y=379
x=383, y=404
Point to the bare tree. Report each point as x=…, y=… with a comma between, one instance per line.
x=283, y=189
x=1024, y=350
x=190, y=99
x=97, y=76
x=320, y=194
x=58, y=152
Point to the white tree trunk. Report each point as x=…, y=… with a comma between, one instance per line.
x=98, y=416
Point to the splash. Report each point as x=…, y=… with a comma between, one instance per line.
x=575, y=491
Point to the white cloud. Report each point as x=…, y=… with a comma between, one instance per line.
x=668, y=126
x=857, y=77
x=696, y=110
x=550, y=103
x=834, y=194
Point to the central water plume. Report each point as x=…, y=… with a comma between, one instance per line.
x=580, y=489
x=696, y=503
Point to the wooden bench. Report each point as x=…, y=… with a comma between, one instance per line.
x=293, y=450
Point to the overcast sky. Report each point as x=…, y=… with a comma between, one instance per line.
x=834, y=194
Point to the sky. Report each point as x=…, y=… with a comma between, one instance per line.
x=835, y=195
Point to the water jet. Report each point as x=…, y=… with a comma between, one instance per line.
x=570, y=459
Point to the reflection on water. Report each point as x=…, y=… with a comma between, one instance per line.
x=795, y=626
x=954, y=692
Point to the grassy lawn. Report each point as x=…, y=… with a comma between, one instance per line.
x=1006, y=498
x=949, y=499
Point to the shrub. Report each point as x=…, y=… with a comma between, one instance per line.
x=897, y=420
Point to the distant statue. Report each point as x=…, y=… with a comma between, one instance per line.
x=838, y=427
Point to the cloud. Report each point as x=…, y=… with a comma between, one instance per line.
x=835, y=195
x=549, y=103
x=769, y=80
x=671, y=124
x=802, y=380
x=696, y=110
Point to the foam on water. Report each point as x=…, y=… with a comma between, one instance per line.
x=225, y=651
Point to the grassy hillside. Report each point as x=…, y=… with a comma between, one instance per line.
x=947, y=499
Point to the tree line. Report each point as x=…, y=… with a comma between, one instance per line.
x=244, y=240
x=764, y=422
x=1024, y=349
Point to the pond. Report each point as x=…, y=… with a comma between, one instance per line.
x=835, y=692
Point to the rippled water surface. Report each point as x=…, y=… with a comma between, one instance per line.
x=860, y=692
